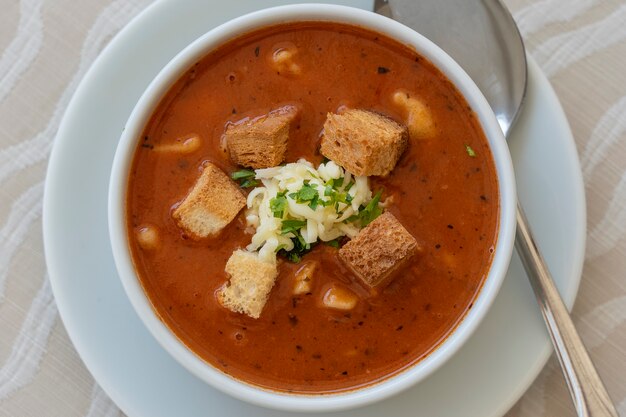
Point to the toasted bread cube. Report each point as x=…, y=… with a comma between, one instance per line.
x=212, y=203
x=260, y=142
x=339, y=298
x=363, y=142
x=379, y=250
x=251, y=280
x=419, y=118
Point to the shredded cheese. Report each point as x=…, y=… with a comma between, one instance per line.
x=300, y=203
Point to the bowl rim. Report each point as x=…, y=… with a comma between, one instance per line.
x=124, y=155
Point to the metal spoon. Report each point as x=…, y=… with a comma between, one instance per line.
x=483, y=38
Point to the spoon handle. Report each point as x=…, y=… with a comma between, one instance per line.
x=587, y=390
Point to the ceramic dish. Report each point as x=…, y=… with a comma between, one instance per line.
x=133, y=133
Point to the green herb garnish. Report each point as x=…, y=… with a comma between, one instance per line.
x=334, y=243
x=246, y=176
x=470, y=151
x=371, y=211
x=249, y=183
x=343, y=198
x=300, y=244
x=314, y=202
x=293, y=256
x=306, y=193
x=278, y=204
x=352, y=218
x=242, y=173
x=291, y=226
x=300, y=247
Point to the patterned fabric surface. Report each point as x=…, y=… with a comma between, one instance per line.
x=45, y=51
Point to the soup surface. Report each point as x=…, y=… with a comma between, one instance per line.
x=443, y=191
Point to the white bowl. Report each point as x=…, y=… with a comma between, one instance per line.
x=119, y=182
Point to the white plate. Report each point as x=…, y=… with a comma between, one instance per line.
x=484, y=379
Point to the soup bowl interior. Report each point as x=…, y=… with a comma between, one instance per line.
x=119, y=183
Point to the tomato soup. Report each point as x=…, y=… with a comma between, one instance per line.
x=443, y=190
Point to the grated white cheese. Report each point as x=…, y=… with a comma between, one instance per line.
x=326, y=220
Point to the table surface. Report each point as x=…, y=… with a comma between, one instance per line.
x=579, y=44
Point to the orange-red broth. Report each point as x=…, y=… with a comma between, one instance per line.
x=447, y=199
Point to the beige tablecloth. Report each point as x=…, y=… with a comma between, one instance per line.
x=579, y=44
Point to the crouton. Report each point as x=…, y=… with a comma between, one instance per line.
x=363, y=142
x=260, y=142
x=212, y=203
x=379, y=250
x=251, y=280
x=419, y=118
x=339, y=298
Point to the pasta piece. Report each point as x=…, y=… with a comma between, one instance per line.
x=283, y=61
x=148, y=237
x=418, y=116
x=184, y=145
x=303, y=282
x=339, y=298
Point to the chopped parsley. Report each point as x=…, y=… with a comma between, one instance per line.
x=249, y=183
x=278, y=204
x=333, y=243
x=470, y=151
x=242, y=174
x=300, y=247
x=307, y=193
x=246, y=176
x=291, y=226
x=314, y=202
x=371, y=211
x=292, y=256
